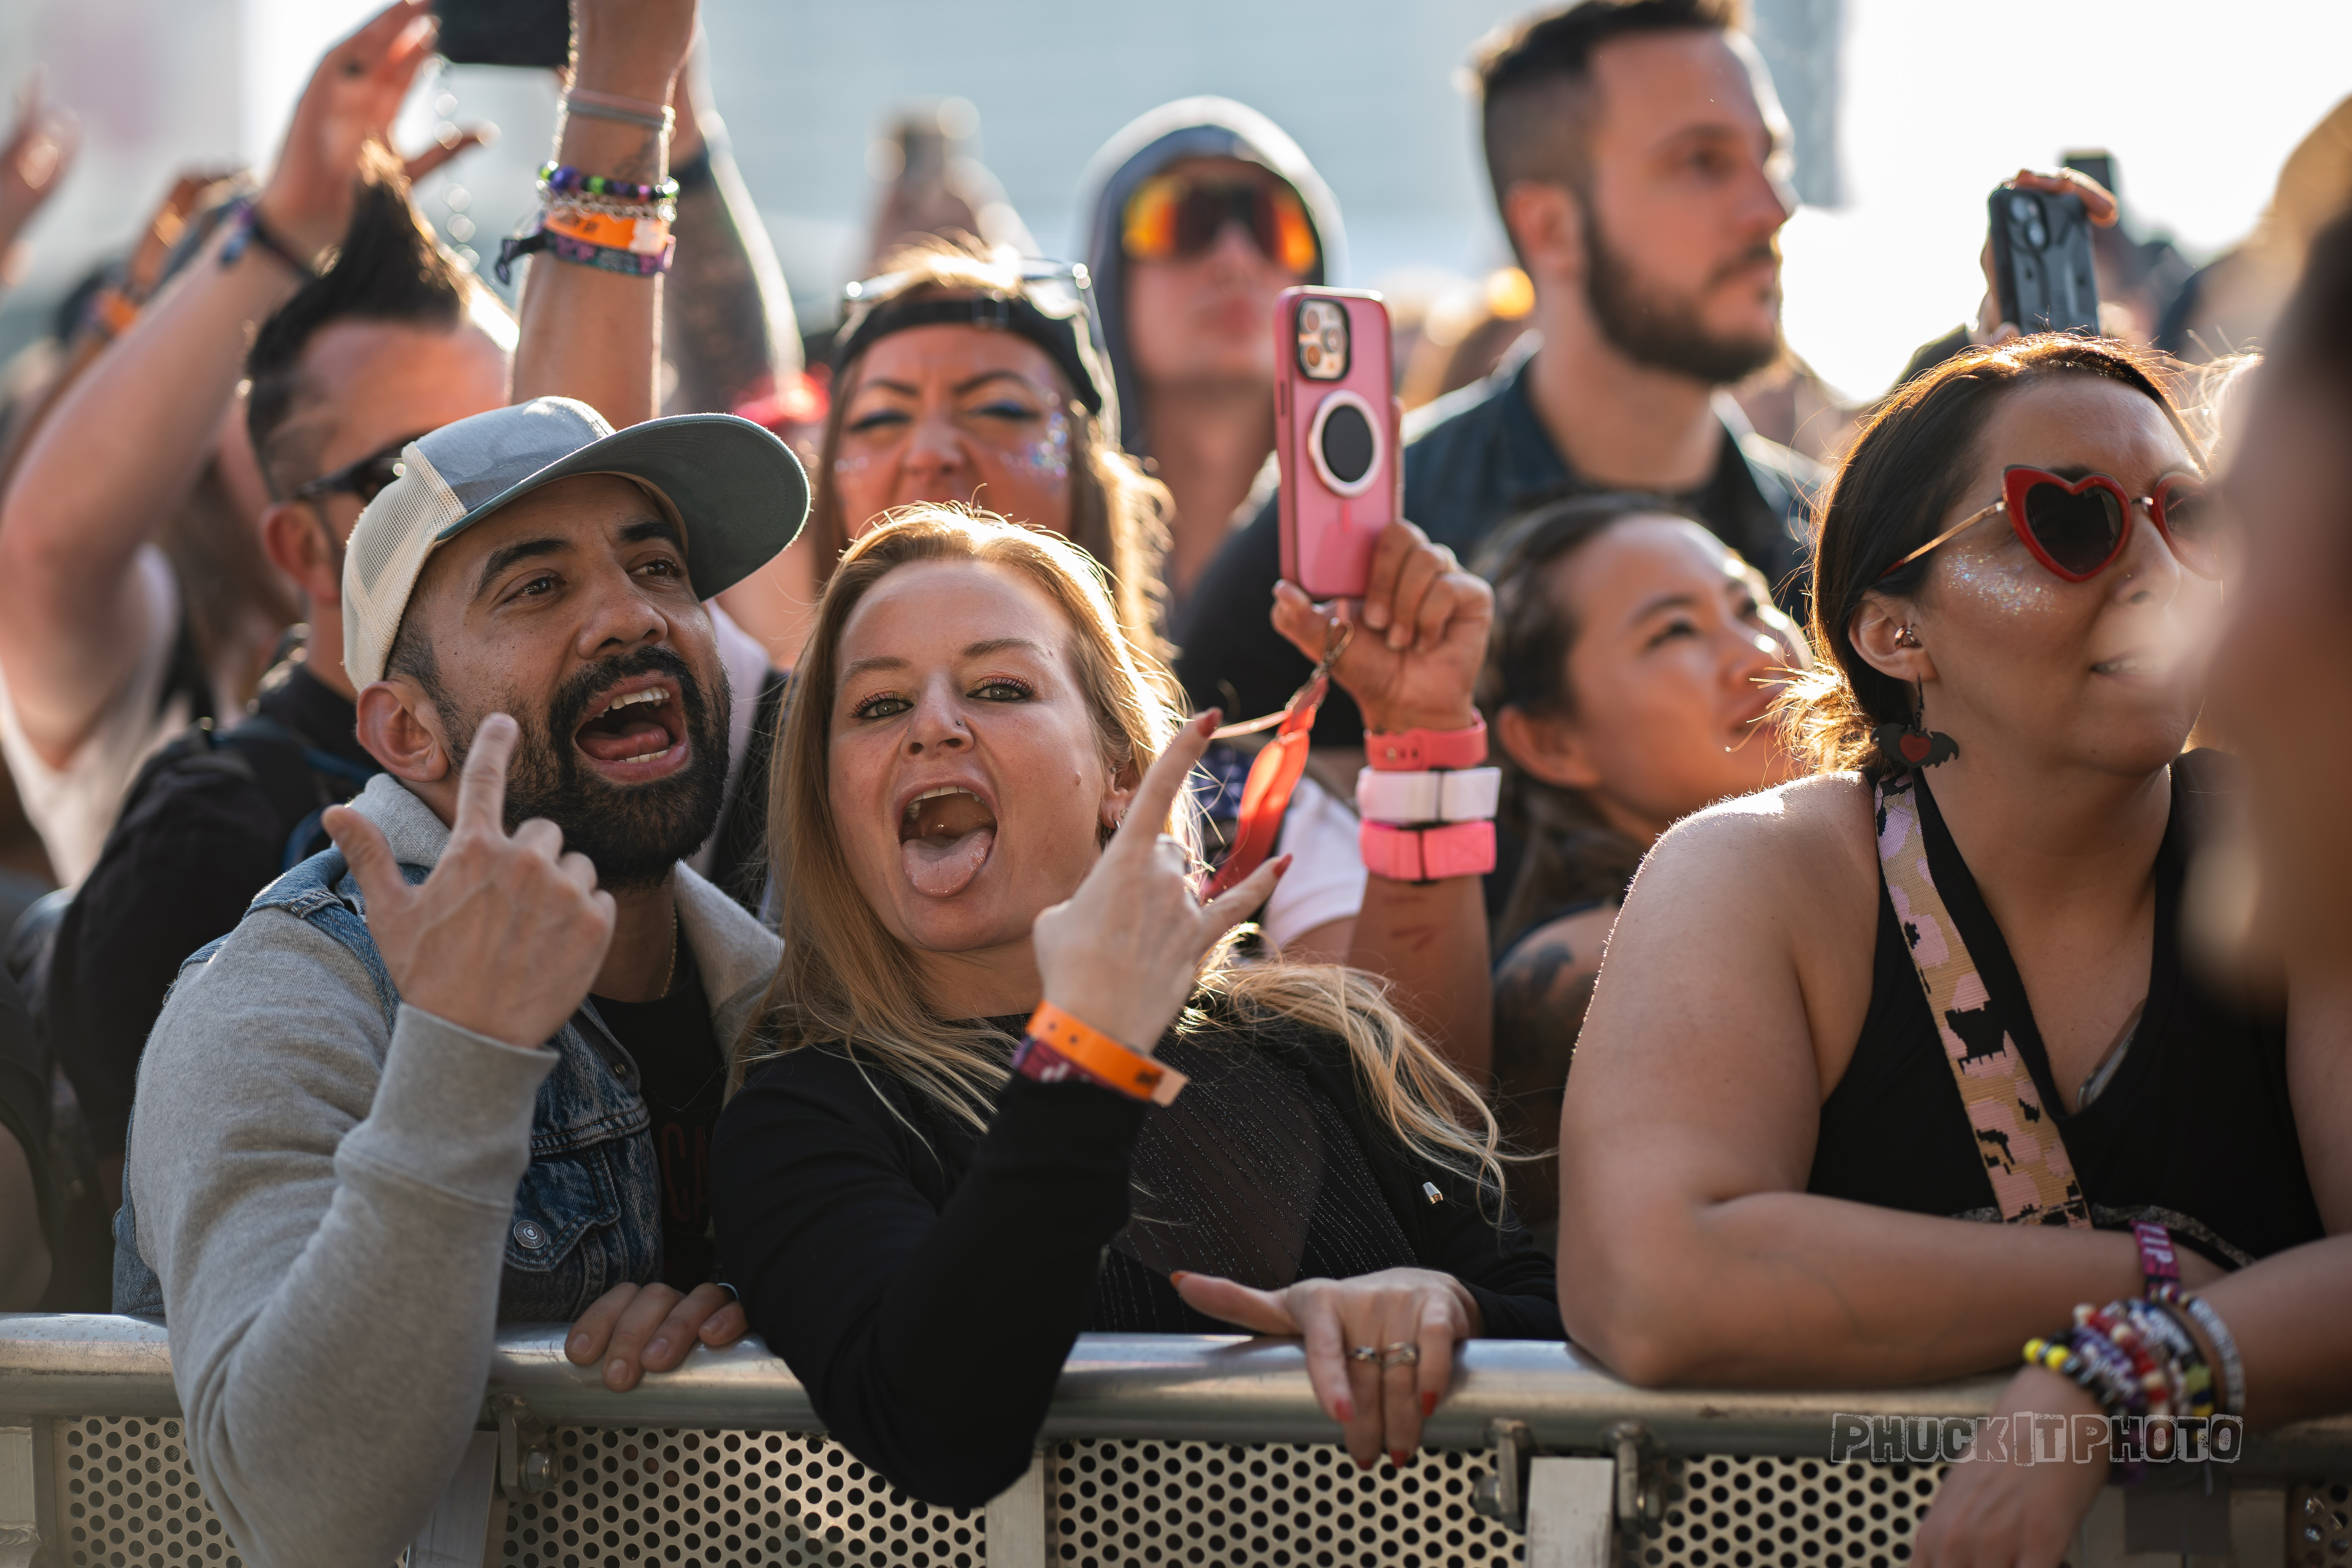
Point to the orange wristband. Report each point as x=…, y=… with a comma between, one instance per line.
x=1102, y=1057
x=642, y=236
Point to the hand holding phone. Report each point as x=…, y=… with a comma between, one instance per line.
x=1335, y=437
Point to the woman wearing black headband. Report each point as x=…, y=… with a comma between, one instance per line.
x=964, y=377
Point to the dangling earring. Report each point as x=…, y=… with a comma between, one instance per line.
x=1907, y=747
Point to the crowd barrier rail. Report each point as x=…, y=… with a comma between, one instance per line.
x=1159, y=1449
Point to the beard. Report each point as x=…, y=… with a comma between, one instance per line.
x=633, y=835
x=1665, y=332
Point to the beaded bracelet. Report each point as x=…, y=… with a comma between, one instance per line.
x=564, y=177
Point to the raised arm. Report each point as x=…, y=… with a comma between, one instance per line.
x=728, y=329
x=586, y=333
x=76, y=515
x=1412, y=665
x=1689, y=1250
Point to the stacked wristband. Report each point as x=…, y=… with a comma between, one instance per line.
x=2136, y=1359
x=1063, y=1049
x=1428, y=808
x=595, y=220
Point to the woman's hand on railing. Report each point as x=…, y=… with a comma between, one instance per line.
x=1420, y=635
x=1123, y=952
x=2015, y=1514
x=638, y=1329
x=1379, y=1347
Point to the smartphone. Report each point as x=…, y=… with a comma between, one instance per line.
x=1335, y=437
x=2042, y=264
x=504, y=32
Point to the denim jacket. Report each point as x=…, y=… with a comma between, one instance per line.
x=587, y=1214
x=335, y=1198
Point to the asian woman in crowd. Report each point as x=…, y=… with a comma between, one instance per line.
x=1633, y=659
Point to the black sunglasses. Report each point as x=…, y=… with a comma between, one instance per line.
x=366, y=478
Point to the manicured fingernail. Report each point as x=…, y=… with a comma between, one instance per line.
x=1179, y=1277
x=657, y=1350
x=1283, y=865
x=1344, y=1411
x=1398, y=1458
x=1429, y=1404
x=579, y=1346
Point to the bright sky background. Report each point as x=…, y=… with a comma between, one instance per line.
x=2199, y=102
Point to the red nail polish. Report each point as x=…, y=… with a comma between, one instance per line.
x=1343, y=1412
x=1398, y=1459
x=1429, y=1404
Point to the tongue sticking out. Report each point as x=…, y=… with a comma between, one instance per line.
x=945, y=845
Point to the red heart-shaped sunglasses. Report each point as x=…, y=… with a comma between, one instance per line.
x=2077, y=527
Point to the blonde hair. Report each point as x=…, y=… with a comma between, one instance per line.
x=1118, y=513
x=845, y=979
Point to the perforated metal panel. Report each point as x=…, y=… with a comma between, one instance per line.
x=1759, y=1513
x=1109, y=1504
x=741, y=1499
x=125, y=1495
x=2319, y=1524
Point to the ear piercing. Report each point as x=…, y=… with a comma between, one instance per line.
x=1907, y=638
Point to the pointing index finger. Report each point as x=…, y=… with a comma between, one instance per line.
x=482, y=789
x=1147, y=813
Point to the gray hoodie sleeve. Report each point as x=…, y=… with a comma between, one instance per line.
x=327, y=1209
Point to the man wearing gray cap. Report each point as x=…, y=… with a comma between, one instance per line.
x=436, y=1077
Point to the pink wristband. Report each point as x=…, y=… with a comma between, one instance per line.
x=1427, y=854
x=1415, y=750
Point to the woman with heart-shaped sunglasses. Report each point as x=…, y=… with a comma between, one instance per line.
x=1845, y=1023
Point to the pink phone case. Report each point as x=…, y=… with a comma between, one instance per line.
x=1336, y=435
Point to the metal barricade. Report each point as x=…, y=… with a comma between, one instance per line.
x=1161, y=1450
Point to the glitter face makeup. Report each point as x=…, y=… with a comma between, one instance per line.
x=1050, y=454
x=2002, y=575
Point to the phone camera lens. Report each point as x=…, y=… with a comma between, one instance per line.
x=2020, y=207
x=2036, y=236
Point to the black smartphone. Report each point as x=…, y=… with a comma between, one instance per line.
x=505, y=32
x=2042, y=264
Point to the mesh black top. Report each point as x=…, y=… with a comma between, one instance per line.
x=926, y=1282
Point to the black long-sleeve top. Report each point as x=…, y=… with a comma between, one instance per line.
x=925, y=1283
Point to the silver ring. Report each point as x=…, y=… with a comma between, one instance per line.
x=1403, y=1353
x=1363, y=1353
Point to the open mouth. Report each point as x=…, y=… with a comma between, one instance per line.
x=2134, y=666
x=636, y=731
x=944, y=838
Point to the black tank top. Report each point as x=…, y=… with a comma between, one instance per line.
x=2194, y=1131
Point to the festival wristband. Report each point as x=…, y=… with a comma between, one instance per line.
x=1099, y=1057
x=1427, y=854
x=580, y=253
x=247, y=229
x=1456, y=794
x=2231, y=1395
x=2159, y=1265
x=638, y=236
x=1410, y=751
